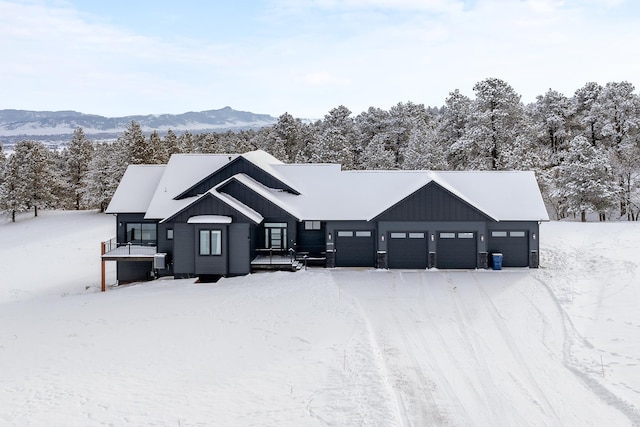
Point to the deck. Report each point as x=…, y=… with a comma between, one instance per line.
x=275, y=262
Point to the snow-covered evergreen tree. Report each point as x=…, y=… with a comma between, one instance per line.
x=76, y=158
x=551, y=117
x=496, y=120
x=186, y=143
x=337, y=141
x=105, y=171
x=170, y=144
x=13, y=195
x=585, y=108
x=376, y=156
x=136, y=146
x=159, y=153
x=39, y=180
x=424, y=149
x=585, y=179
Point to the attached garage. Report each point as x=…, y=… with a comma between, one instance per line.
x=355, y=248
x=513, y=245
x=456, y=250
x=407, y=250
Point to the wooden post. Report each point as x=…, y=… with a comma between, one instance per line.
x=102, y=252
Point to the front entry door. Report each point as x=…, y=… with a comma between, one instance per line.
x=275, y=236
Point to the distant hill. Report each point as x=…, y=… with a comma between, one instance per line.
x=58, y=126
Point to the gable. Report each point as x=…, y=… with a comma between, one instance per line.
x=209, y=205
x=236, y=166
x=433, y=203
x=254, y=200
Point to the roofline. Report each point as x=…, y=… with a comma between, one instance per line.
x=212, y=194
x=273, y=200
x=434, y=182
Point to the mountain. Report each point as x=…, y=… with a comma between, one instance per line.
x=54, y=126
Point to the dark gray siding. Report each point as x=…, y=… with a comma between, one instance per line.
x=312, y=241
x=165, y=246
x=208, y=205
x=123, y=219
x=432, y=203
x=132, y=271
x=239, y=249
x=239, y=165
x=184, y=250
x=516, y=251
x=211, y=264
x=255, y=201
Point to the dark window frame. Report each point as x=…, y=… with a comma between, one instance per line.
x=211, y=249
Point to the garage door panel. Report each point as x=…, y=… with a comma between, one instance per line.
x=456, y=250
x=355, y=248
x=407, y=250
x=513, y=245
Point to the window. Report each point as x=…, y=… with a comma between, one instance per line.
x=345, y=233
x=465, y=235
x=398, y=235
x=169, y=233
x=363, y=234
x=498, y=234
x=516, y=233
x=447, y=235
x=416, y=235
x=210, y=242
x=312, y=225
x=141, y=233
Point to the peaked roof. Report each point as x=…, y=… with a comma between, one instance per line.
x=326, y=192
x=135, y=192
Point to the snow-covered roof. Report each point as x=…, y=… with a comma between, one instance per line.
x=274, y=196
x=328, y=193
x=182, y=172
x=136, y=189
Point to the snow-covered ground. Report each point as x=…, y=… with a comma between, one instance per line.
x=555, y=346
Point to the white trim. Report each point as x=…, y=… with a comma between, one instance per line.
x=209, y=219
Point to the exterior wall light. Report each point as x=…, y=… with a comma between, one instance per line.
x=482, y=237
x=329, y=236
x=382, y=237
x=534, y=236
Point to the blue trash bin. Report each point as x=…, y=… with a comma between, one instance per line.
x=497, y=261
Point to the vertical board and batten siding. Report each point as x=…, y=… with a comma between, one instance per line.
x=269, y=211
x=130, y=271
x=432, y=203
x=208, y=205
x=211, y=264
x=123, y=219
x=239, y=249
x=312, y=241
x=184, y=250
x=236, y=166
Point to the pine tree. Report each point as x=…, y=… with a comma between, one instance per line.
x=77, y=157
x=37, y=173
x=12, y=190
x=585, y=179
x=337, y=141
x=137, y=149
x=551, y=116
x=159, y=154
x=170, y=145
x=376, y=156
x=496, y=121
x=585, y=107
x=105, y=171
x=424, y=151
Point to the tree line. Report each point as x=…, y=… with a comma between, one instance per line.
x=585, y=149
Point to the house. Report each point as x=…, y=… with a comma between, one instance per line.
x=219, y=215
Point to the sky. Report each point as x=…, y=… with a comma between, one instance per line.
x=304, y=57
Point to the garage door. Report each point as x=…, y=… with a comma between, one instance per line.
x=514, y=246
x=355, y=248
x=407, y=250
x=456, y=250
